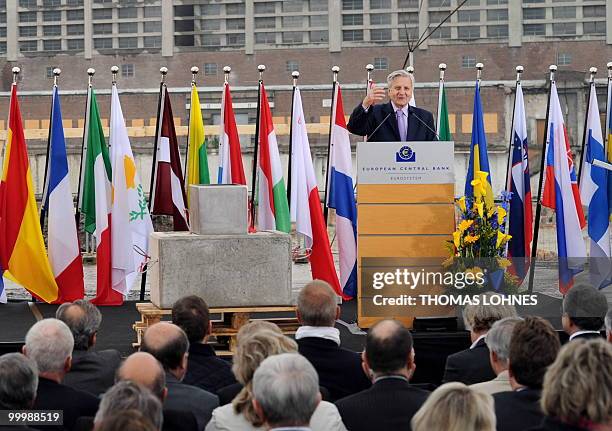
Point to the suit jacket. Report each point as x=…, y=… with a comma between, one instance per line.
x=56, y=396
x=185, y=397
x=587, y=336
x=228, y=393
x=501, y=383
x=365, y=123
x=92, y=371
x=550, y=424
x=469, y=366
x=389, y=404
x=339, y=369
x=205, y=370
x=518, y=410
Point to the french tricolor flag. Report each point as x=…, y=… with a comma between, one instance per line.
x=562, y=195
x=342, y=198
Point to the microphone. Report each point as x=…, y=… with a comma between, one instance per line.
x=378, y=127
x=425, y=124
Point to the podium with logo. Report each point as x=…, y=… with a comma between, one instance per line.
x=405, y=207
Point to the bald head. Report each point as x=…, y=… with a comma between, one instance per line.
x=388, y=347
x=144, y=369
x=316, y=304
x=167, y=343
x=84, y=319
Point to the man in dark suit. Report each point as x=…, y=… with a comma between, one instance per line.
x=534, y=345
x=391, y=402
x=339, y=369
x=204, y=370
x=584, y=312
x=473, y=365
x=18, y=383
x=398, y=120
x=91, y=371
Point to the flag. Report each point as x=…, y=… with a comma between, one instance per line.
x=273, y=209
x=22, y=249
x=169, y=191
x=64, y=249
x=561, y=194
x=96, y=203
x=231, y=170
x=197, y=159
x=443, y=126
x=132, y=223
x=306, y=209
x=520, y=219
x=594, y=196
x=2, y=289
x=609, y=151
x=342, y=198
x=479, y=157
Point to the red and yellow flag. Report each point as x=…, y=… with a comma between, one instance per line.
x=22, y=248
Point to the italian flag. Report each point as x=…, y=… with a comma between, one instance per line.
x=443, y=126
x=273, y=209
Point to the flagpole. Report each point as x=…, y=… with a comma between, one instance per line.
x=223, y=147
x=519, y=71
x=194, y=72
x=442, y=67
x=43, y=205
x=261, y=68
x=536, y=229
x=593, y=72
x=608, y=107
x=332, y=120
x=295, y=75
x=90, y=72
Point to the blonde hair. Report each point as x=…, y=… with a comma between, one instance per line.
x=256, y=342
x=455, y=407
x=480, y=317
x=578, y=385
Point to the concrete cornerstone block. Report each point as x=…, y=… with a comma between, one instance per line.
x=225, y=270
x=218, y=209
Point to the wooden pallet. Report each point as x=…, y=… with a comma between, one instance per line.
x=225, y=328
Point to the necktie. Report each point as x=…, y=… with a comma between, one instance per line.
x=401, y=124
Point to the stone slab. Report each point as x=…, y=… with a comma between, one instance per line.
x=225, y=270
x=218, y=209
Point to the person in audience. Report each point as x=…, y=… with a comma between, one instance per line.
x=391, y=402
x=286, y=392
x=609, y=325
x=498, y=340
x=534, y=345
x=472, y=365
x=91, y=371
x=126, y=420
x=204, y=370
x=49, y=344
x=318, y=340
x=455, y=407
x=577, y=390
x=584, y=311
x=256, y=342
x=18, y=383
x=169, y=345
x=129, y=396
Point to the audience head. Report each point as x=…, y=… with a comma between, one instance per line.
x=191, y=314
x=169, y=345
x=498, y=341
x=286, y=390
x=129, y=396
x=142, y=368
x=49, y=344
x=584, y=309
x=533, y=347
x=126, y=420
x=578, y=385
x=18, y=382
x=609, y=325
x=317, y=304
x=456, y=407
x=84, y=319
x=388, y=349
x=478, y=318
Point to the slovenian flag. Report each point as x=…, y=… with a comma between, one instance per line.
x=197, y=158
x=231, y=170
x=562, y=195
x=342, y=198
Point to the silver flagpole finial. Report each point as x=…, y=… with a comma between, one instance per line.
x=164, y=72
x=295, y=74
x=90, y=72
x=593, y=72
x=442, y=67
x=553, y=69
x=479, y=67
x=194, y=72
x=114, y=72
x=335, y=70
x=16, y=71
x=56, y=73
x=519, y=71
x=226, y=72
x=261, y=69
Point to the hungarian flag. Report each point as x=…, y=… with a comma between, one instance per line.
x=169, y=191
x=131, y=219
x=273, y=209
x=231, y=170
x=64, y=250
x=197, y=159
x=96, y=203
x=443, y=126
x=22, y=248
x=306, y=209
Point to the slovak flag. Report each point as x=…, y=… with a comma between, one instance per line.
x=231, y=170
x=342, y=198
x=561, y=194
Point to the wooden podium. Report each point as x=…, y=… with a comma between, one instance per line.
x=405, y=207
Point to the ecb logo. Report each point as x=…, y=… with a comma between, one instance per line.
x=405, y=154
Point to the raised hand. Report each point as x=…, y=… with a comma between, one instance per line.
x=375, y=95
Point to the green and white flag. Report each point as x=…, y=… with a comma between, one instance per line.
x=443, y=126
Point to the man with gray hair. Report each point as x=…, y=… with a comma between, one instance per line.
x=609, y=326
x=395, y=120
x=18, y=382
x=584, y=311
x=498, y=339
x=49, y=344
x=91, y=371
x=286, y=392
x=339, y=369
x=128, y=395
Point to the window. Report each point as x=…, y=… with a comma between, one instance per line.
x=564, y=59
x=319, y=36
x=352, y=4
x=184, y=40
x=75, y=15
x=52, y=45
x=471, y=32
x=235, y=39
x=210, y=69
x=235, y=24
x=534, y=30
x=381, y=63
x=412, y=33
x=440, y=33
x=2, y=31
x=292, y=5
x=74, y=2
x=102, y=1
x=564, y=12
x=128, y=27
x=52, y=15
x=497, y=15
x=75, y=44
x=534, y=13
x=186, y=10
x=27, y=3
x=2, y=47
x=472, y=3
x=317, y=5
x=380, y=4
x=291, y=66
x=293, y=37
x=234, y=9
x=468, y=16
x=380, y=34
x=105, y=43
x=439, y=3
x=292, y=21
x=49, y=71
x=28, y=46
x=128, y=12
x=352, y=35
x=265, y=22
x=437, y=17
x=152, y=26
x=52, y=3
x=533, y=1
x=494, y=2
x=468, y=61
x=152, y=41
x=318, y=21
x=127, y=70
x=380, y=19
x=102, y=14
x=598, y=27
x=52, y=30
x=268, y=7
x=352, y=19
x=267, y=38
x=408, y=18
x=593, y=11
x=564, y=28
x=103, y=28
x=188, y=25
x=128, y=42
x=29, y=31
x=211, y=40
x=75, y=29
x=27, y=17
x=152, y=12
x=497, y=31
x=408, y=3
